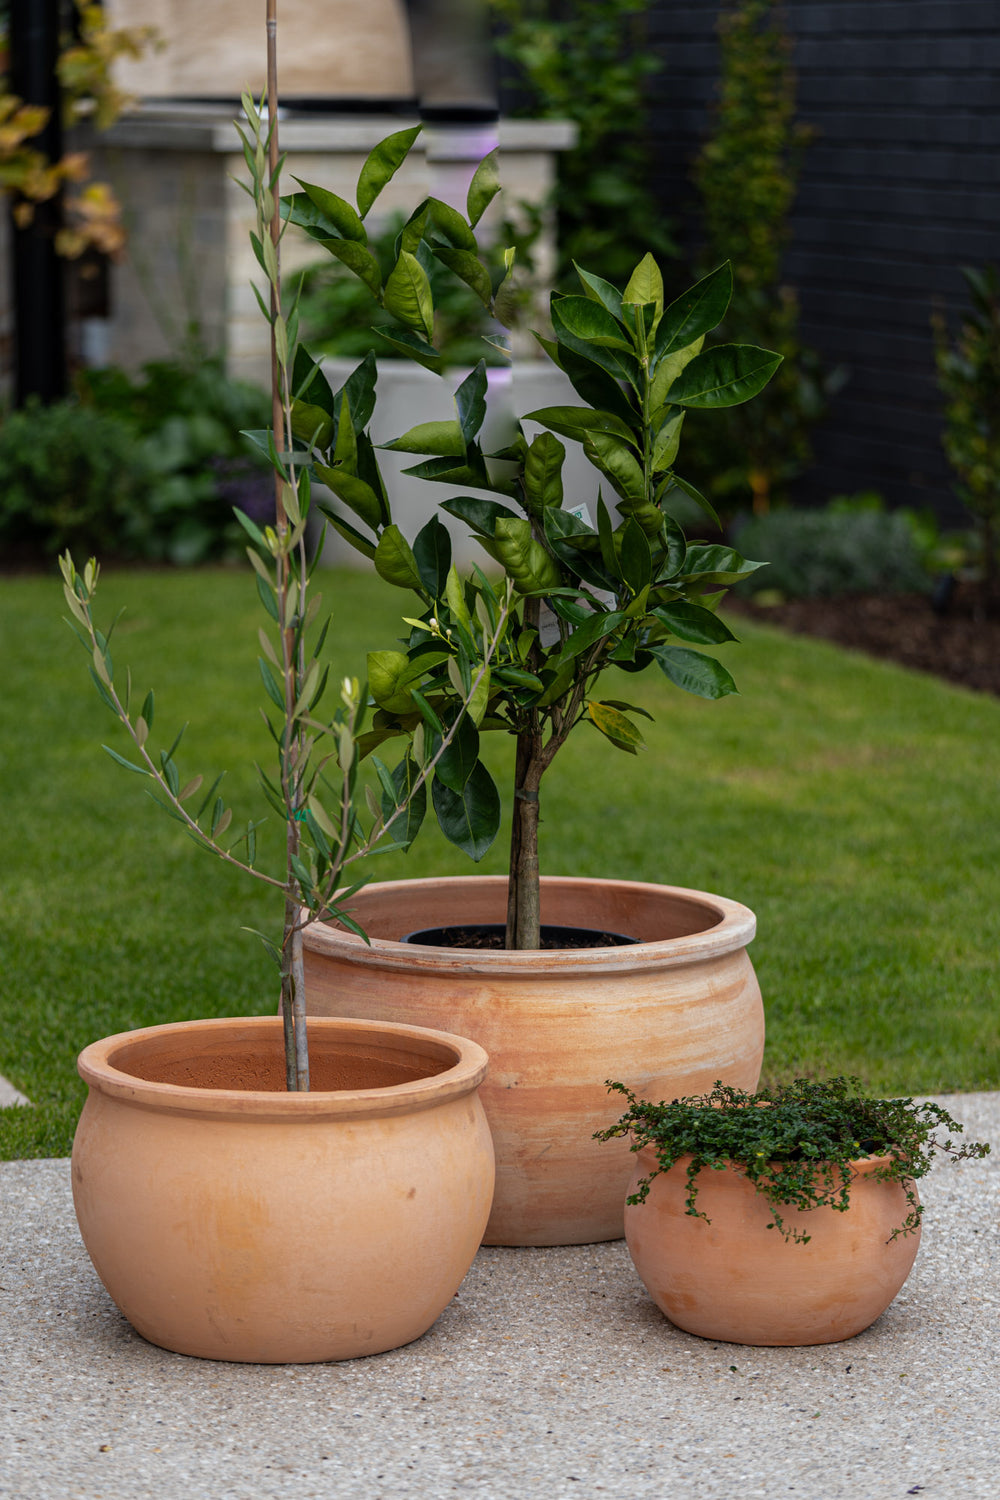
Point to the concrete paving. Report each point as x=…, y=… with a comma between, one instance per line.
x=551, y=1374
x=10, y=1095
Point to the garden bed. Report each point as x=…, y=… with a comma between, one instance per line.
x=897, y=627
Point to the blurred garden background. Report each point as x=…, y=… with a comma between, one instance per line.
x=844, y=157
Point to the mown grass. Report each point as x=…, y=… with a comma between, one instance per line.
x=851, y=804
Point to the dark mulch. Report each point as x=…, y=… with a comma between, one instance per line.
x=958, y=645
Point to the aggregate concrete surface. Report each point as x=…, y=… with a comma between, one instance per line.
x=551, y=1374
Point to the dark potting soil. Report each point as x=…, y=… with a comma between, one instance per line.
x=961, y=645
x=491, y=936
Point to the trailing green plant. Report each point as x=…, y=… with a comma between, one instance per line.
x=592, y=591
x=797, y=1143
x=314, y=790
x=747, y=175
x=968, y=368
x=587, y=62
x=851, y=546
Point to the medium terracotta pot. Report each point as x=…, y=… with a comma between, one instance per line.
x=232, y=1220
x=668, y=1016
x=738, y=1281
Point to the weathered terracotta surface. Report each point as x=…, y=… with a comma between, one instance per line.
x=668, y=1016
x=738, y=1281
x=231, y=1220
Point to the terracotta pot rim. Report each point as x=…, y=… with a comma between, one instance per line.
x=98, y=1065
x=735, y=926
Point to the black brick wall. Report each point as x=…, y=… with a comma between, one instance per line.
x=900, y=187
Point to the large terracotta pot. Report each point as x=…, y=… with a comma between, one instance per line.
x=738, y=1281
x=232, y=1220
x=668, y=1016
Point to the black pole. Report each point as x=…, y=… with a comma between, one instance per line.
x=39, y=296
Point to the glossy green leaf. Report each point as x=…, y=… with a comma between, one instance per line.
x=359, y=259
x=589, y=634
x=330, y=212
x=470, y=819
x=443, y=439
x=348, y=532
x=406, y=342
x=470, y=401
x=590, y=321
x=693, y=622
x=412, y=802
x=596, y=386
x=576, y=421
x=309, y=384
x=602, y=352
x=432, y=555
x=387, y=671
x=618, y=729
x=355, y=493
x=667, y=443
x=453, y=471
x=645, y=285
x=577, y=548
x=484, y=187
x=676, y=482
x=468, y=268
x=636, y=558
x=543, y=473
x=696, y=312
x=716, y=565
x=607, y=540
x=382, y=164
x=408, y=295
x=359, y=388
x=446, y=221
x=394, y=560
x=600, y=290
x=724, y=375
x=454, y=593
x=666, y=373
x=701, y=675
x=618, y=463
x=482, y=515
x=526, y=562
x=459, y=756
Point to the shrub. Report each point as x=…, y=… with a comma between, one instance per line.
x=68, y=478
x=195, y=462
x=969, y=376
x=135, y=468
x=853, y=546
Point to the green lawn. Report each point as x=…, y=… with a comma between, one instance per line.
x=852, y=805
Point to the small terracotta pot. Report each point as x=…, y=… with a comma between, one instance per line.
x=667, y=1016
x=738, y=1281
x=232, y=1220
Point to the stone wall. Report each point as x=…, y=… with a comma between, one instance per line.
x=327, y=48
x=189, y=250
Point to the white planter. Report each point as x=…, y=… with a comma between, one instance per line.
x=408, y=394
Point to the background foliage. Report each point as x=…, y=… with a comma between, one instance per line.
x=747, y=175
x=585, y=61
